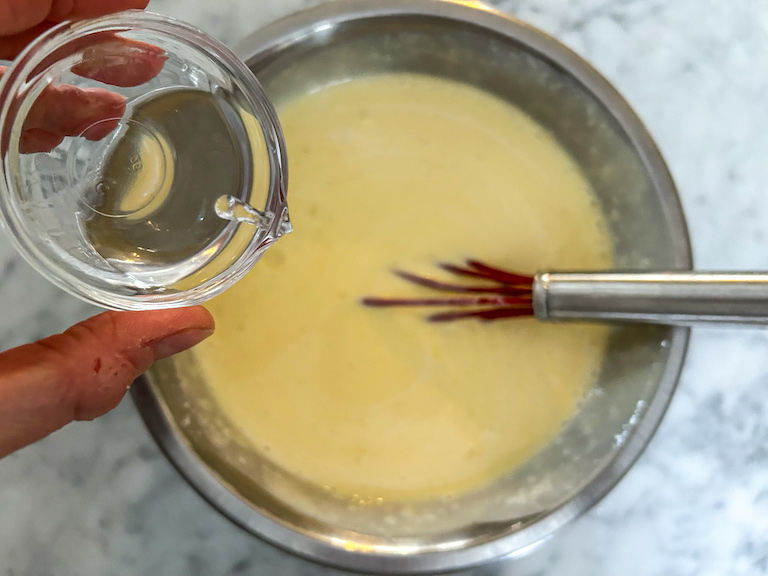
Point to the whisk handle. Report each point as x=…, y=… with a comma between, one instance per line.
x=679, y=298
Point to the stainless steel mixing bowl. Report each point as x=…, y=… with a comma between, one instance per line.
x=471, y=44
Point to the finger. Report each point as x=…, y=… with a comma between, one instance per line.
x=17, y=16
x=65, y=110
x=11, y=45
x=121, y=62
x=69, y=111
x=20, y=15
x=79, y=9
x=107, y=58
x=34, y=141
x=84, y=372
x=60, y=9
x=15, y=36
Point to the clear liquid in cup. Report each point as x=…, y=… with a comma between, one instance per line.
x=173, y=185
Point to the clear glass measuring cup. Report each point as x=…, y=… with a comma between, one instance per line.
x=142, y=165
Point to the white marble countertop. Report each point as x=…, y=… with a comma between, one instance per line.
x=99, y=498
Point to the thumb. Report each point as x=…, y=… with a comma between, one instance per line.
x=84, y=372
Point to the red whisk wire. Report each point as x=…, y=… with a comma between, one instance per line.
x=510, y=296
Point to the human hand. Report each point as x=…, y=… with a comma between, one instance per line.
x=21, y=21
x=64, y=110
x=83, y=373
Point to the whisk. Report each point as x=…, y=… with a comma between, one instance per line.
x=674, y=297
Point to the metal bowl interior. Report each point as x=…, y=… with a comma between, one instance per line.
x=616, y=419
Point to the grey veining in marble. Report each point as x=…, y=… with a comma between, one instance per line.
x=98, y=498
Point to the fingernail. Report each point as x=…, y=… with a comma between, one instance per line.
x=176, y=343
x=150, y=49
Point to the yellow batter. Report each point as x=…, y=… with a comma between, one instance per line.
x=403, y=172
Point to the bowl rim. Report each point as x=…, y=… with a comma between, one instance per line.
x=275, y=37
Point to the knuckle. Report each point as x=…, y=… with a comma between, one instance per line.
x=90, y=367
